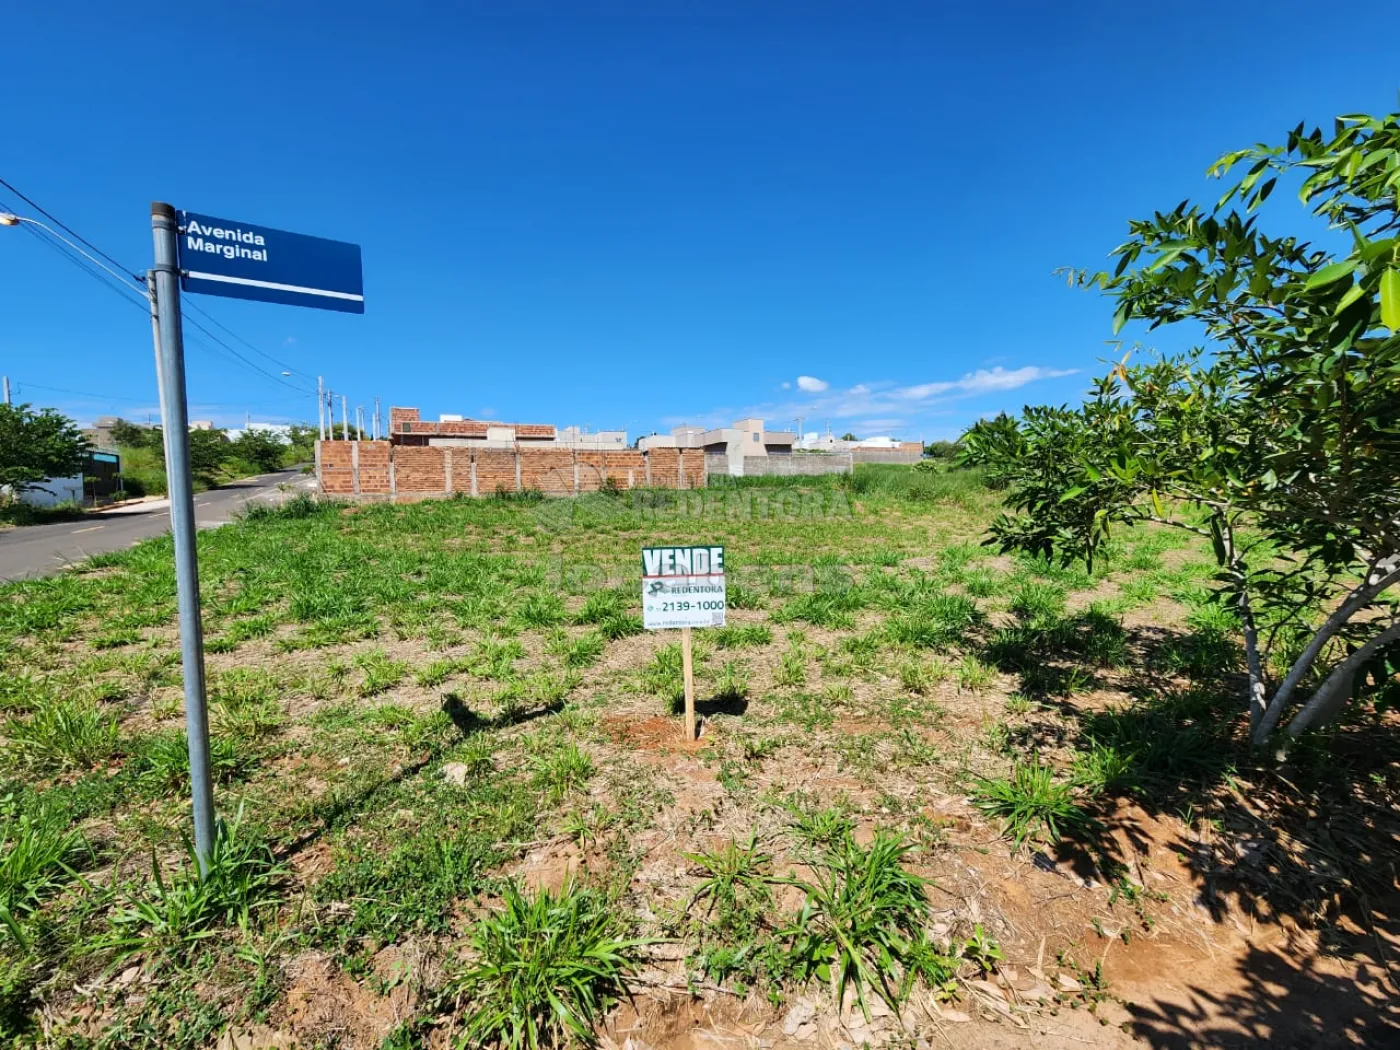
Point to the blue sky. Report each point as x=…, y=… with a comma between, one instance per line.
x=637, y=214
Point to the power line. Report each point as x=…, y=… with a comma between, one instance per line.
x=64, y=226
x=126, y=292
x=78, y=261
x=140, y=287
x=20, y=384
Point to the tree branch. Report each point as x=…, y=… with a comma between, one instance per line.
x=1383, y=575
x=1324, y=704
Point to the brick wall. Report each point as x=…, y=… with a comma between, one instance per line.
x=495, y=470
x=337, y=468
x=419, y=470
x=381, y=470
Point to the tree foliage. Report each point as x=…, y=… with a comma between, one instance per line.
x=209, y=451
x=1279, y=439
x=37, y=445
x=132, y=435
x=260, y=448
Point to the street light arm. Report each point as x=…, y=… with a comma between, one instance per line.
x=11, y=219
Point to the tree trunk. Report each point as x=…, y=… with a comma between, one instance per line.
x=1386, y=575
x=1325, y=704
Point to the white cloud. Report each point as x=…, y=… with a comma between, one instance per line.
x=787, y=386
x=291, y=340
x=878, y=406
x=982, y=381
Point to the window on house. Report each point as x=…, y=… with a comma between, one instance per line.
x=755, y=437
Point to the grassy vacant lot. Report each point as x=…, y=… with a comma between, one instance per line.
x=955, y=788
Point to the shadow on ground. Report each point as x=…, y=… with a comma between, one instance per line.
x=1300, y=856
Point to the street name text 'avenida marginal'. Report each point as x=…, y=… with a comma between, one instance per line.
x=195, y=242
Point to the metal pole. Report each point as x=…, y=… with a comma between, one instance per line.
x=344, y=418
x=321, y=406
x=376, y=415
x=175, y=424
x=7, y=390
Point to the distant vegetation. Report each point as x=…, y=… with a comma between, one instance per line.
x=214, y=459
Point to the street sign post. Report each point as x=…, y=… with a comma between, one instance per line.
x=683, y=587
x=244, y=261
x=219, y=257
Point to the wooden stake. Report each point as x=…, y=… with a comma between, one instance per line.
x=688, y=668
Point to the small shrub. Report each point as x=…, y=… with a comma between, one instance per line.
x=1030, y=803
x=561, y=771
x=735, y=883
x=64, y=735
x=39, y=849
x=863, y=912
x=941, y=619
x=742, y=636
x=178, y=911
x=545, y=970
x=1038, y=603
x=381, y=673
x=732, y=683
x=792, y=668
x=164, y=761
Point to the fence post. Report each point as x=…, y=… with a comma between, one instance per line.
x=474, y=472
x=447, y=471
x=518, y=487
x=355, y=466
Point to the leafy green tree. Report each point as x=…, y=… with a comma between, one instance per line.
x=129, y=435
x=303, y=444
x=209, y=451
x=37, y=445
x=1282, y=436
x=263, y=450
x=848, y=436
x=941, y=449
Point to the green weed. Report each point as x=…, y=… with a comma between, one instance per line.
x=742, y=636
x=39, y=851
x=1030, y=804
x=864, y=912
x=177, y=911
x=63, y=735
x=545, y=970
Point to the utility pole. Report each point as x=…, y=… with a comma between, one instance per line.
x=164, y=279
x=376, y=419
x=321, y=406
x=344, y=417
x=359, y=420
x=7, y=390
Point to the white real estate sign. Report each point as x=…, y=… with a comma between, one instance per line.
x=682, y=587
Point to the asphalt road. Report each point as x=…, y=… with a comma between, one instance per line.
x=36, y=550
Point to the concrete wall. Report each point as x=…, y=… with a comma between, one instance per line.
x=378, y=470
x=796, y=465
x=873, y=455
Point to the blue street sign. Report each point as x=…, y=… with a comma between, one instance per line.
x=237, y=259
